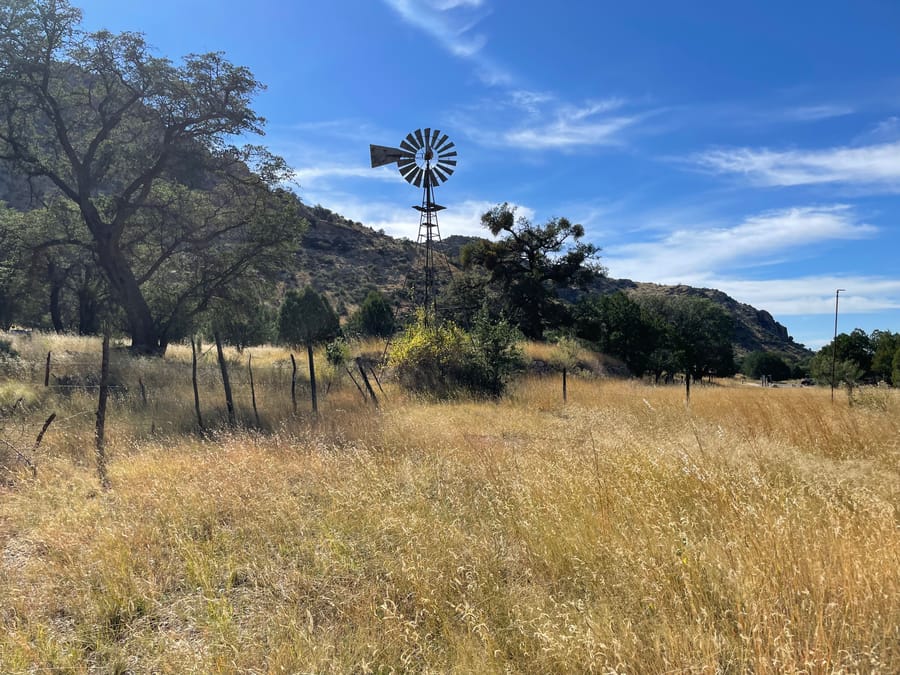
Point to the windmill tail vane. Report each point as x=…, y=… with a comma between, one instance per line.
x=425, y=158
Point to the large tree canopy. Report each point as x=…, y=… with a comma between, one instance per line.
x=530, y=263
x=169, y=210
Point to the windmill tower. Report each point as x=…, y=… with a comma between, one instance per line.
x=425, y=159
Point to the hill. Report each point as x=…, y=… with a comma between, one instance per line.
x=343, y=257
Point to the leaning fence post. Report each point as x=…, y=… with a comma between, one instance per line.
x=365, y=378
x=252, y=388
x=47, y=371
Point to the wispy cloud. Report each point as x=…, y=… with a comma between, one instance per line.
x=871, y=165
x=310, y=175
x=528, y=120
x=814, y=113
x=453, y=24
x=815, y=294
x=766, y=238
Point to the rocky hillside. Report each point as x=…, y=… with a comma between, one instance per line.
x=357, y=255
x=755, y=329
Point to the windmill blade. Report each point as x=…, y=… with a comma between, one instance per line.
x=382, y=155
x=413, y=143
x=439, y=146
x=447, y=154
x=450, y=162
x=408, y=171
x=434, y=137
x=418, y=133
x=413, y=175
x=446, y=169
x=405, y=162
x=440, y=174
x=427, y=141
x=420, y=173
x=408, y=148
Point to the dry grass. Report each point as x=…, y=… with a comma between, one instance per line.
x=757, y=531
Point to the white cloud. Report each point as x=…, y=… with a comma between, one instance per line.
x=814, y=113
x=867, y=165
x=547, y=123
x=815, y=294
x=686, y=254
x=309, y=176
x=452, y=23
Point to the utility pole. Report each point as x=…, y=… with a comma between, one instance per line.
x=837, y=295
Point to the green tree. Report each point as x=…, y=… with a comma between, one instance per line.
x=617, y=325
x=172, y=215
x=374, y=316
x=846, y=371
x=696, y=335
x=895, y=368
x=306, y=318
x=244, y=321
x=884, y=345
x=770, y=364
x=530, y=263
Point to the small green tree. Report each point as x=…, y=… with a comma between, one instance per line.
x=374, y=317
x=770, y=364
x=306, y=318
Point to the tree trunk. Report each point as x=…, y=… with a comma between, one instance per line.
x=312, y=379
x=55, y=311
x=226, y=383
x=145, y=335
x=88, y=321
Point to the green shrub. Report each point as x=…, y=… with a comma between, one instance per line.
x=443, y=360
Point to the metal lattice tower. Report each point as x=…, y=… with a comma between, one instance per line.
x=425, y=159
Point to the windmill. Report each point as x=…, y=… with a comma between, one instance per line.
x=425, y=159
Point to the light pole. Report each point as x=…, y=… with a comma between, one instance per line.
x=837, y=295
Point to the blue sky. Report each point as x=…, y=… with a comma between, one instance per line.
x=752, y=147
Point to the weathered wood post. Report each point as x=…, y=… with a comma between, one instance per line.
x=252, y=388
x=565, y=391
x=226, y=383
x=47, y=371
x=365, y=378
x=101, y=415
x=294, y=383
x=194, y=349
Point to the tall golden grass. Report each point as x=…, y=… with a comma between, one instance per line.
x=757, y=530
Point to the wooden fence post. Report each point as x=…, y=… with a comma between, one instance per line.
x=226, y=383
x=194, y=381
x=565, y=392
x=101, y=414
x=252, y=388
x=47, y=371
x=294, y=382
x=362, y=371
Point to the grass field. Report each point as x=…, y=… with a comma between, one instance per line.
x=757, y=530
